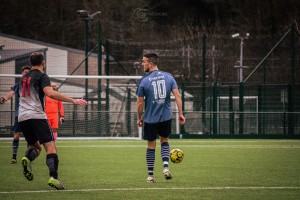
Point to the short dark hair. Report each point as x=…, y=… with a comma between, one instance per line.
x=152, y=57
x=36, y=58
x=25, y=67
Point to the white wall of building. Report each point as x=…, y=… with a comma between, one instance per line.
x=57, y=59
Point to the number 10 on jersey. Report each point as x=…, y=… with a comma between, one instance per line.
x=159, y=89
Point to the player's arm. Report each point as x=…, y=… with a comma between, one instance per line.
x=140, y=108
x=7, y=97
x=48, y=90
x=178, y=101
x=61, y=112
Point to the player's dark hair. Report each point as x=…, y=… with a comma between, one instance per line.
x=152, y=57
x=25, y=67
x=36, y=58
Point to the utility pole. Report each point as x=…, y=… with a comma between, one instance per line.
x=241, y=81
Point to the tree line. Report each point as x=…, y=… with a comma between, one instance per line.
x=56, y=21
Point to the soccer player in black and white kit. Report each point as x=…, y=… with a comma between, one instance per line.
x=33, y=121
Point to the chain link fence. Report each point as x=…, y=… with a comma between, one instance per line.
x=209, y=68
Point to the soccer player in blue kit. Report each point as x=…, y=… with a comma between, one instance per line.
x=16, y=128
x=154, y=92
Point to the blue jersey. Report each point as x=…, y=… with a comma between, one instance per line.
x=15, y=88
x=156, y=88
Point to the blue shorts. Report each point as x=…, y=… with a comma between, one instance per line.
x=16, y=128
x=163, y=129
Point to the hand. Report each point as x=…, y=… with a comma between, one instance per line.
x=181, y=119
x=61, y=120
x=140, y=122
x=2, y=100
x=80, y=102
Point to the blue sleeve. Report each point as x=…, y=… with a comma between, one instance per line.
x=174, y=84
x=140, y=90
x=15, y=88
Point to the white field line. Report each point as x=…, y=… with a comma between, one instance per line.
x=211, y=146
x=187, y=146
x=196, y=141
x=179, y=146
x=174, y=188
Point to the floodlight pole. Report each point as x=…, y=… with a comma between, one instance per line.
x=241, y=59
x=86, y=39
x=99, y=74
x=241, y=83
x=240, y=66
x=83, y=14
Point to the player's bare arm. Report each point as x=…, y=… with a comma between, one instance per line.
x=7, y=97
x=140, y=107
x=179, y=105
x=60, y=97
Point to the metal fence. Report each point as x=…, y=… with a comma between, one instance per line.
x=219, y=98
x=265, y=112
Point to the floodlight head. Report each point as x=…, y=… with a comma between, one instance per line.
x=94, y=14
x=82, y=14
x=136, y=65
x=235, y=35
x=247, y=35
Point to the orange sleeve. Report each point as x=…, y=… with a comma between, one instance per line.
x=61, y=109
x=47, y=105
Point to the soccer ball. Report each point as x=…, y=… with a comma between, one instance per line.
x=176, y=155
